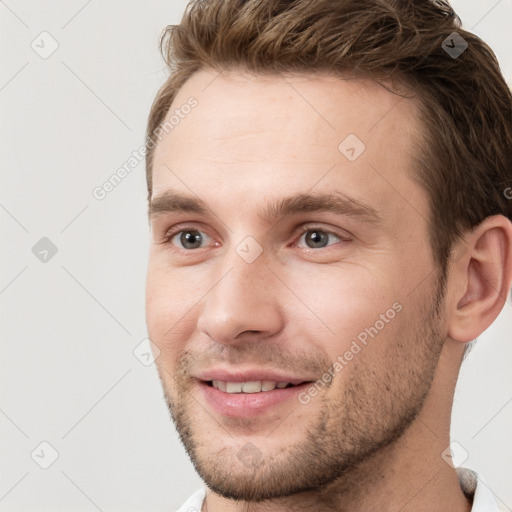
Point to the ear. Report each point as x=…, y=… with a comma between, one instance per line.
x=482, y=278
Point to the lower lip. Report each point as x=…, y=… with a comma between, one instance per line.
x=238, y=405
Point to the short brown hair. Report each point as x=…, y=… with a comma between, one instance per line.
x=465, y=160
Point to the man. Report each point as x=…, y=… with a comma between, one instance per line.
x=329, y=231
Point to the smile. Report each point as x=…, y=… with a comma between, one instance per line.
x=255, y=386
x=250, y=398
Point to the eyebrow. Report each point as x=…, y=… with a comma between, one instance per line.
x=339, y=203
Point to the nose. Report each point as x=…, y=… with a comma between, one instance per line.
x=243, y=304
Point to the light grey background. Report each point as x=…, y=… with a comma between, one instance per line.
x=70, y=325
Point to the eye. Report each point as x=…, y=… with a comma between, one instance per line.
x=315, y=238
x=189, y=239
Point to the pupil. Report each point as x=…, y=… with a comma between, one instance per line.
x=191, y=239
x=316, y=239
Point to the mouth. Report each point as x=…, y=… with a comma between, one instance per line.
x=255, y=386
x=251, y=398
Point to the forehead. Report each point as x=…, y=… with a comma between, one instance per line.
x=329, y=104
x=270, y=132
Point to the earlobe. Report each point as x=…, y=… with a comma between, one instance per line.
x=486, y=275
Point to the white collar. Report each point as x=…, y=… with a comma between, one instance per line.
x=471, y=484
x=475, y=489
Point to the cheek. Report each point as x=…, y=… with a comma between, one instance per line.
x=171, y=298
x=342, y=303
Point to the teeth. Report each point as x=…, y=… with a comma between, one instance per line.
x=248, y=387
x=268, y=385
x=251, y=387
x=234, y=387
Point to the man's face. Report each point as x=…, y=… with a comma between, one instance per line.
x=301, y=257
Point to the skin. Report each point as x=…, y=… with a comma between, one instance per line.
x=373, y=438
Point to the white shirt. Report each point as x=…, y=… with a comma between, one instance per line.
x=472, y=486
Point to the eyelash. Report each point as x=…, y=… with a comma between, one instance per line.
x=300, y=233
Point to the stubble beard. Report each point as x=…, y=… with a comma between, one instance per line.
x=375, y=407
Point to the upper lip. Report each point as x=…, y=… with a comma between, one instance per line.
x=249, y=376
